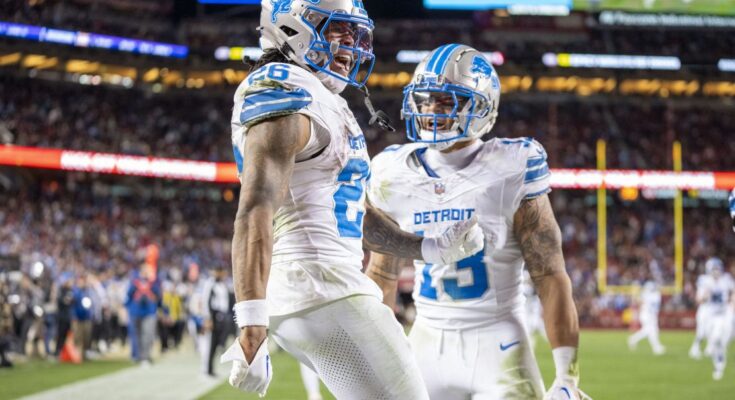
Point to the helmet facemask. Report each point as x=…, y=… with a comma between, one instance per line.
x=342, y=46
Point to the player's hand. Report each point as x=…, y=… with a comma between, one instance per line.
x=565, y=389
x=250, y=376
x=459, y=241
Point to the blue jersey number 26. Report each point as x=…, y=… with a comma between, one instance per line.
x=479, y=286
x=276, y=72
x=352, y=179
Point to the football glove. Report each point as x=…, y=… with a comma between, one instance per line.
x=459, y=241
x=254, y=377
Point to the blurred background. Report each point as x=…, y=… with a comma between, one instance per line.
x=118, y=191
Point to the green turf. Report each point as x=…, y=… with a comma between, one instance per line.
x=609, y=372
x=36, y=376
x=722, y=7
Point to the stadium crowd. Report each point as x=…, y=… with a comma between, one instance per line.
x=203, y=32
x=195, y=125
x=79, y=258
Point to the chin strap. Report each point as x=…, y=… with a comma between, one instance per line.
x=376, y=115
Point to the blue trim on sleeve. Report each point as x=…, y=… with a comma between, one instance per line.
x=420, y=156
x=273, y=101
x=537, y=194
x=537, y=174
x=535, y=162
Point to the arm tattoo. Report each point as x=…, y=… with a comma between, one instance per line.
x=538, y=233
x=383, y=235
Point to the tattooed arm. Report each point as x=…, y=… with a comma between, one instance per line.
x=383, y=235
x=265, y=180
x=536, y=230
x=384, y=269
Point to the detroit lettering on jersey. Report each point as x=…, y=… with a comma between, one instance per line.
x=447, y=214
x=357, y=143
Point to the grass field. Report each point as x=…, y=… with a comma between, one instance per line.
x=37, y=376
x=609, y=372
x=721, y=7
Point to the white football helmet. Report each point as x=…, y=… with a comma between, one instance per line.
x=714, y=266
x=454, y=96
x=297, y=29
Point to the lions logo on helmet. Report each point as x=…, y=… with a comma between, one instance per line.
x=453, y=96
x=298, y=29
x=284, y=6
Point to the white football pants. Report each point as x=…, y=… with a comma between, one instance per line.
x=649, y=329
x=487, y=363
x=356, y=346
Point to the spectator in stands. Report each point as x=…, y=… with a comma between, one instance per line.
x=83, y=313
x=144, y=296
x=64, y=310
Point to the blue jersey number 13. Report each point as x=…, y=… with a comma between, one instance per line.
x=479, y=285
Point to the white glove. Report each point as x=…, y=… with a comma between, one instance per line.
x=254, y=377
x=565, y=389
x=459, y=241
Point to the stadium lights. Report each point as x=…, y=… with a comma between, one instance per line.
x=498, y=4
x=726, y=64
x=620, y=18
x=415, y=56
x=578, y=60
x=225, y=53
x=91, y=40
x=122, y=164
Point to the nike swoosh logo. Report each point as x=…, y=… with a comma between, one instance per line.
x=509, y=345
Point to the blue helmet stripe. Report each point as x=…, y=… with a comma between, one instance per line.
x=441, y=64
x=435, y=57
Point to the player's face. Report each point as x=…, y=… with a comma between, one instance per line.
x=435, y=103
x=347, y=34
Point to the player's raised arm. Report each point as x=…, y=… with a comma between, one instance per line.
x=265, y=179
x=539, y=236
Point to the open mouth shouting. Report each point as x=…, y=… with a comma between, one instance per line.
x=342, y=63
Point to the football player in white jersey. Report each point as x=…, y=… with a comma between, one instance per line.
x=469, y=337
x=298, y=235
x=650, y=304
x=702, y=320
x=716, y=290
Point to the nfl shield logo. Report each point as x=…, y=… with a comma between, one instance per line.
x=439, y=188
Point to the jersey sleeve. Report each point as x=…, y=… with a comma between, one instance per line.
x=273, y=90
x=537, y=177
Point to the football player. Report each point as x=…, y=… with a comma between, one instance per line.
x=469, y=337
x=298, y=234
x=716, y=291
x=650, y=304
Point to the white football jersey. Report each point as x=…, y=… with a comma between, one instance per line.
x=320, y=220
x=650, y=302
x=488, y=285
x=718, y=291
